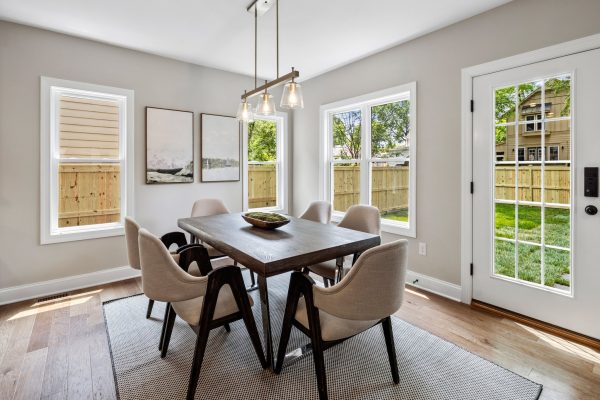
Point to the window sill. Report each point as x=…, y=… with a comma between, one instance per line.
x=395, y=228
x=75, y=234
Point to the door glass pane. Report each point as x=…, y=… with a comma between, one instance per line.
x=530, y=101
x=346, y=185
x=558, y=268
x=558, y=96
x=262, y=164
x=530, y=223
x=346, y=135
x=557, y=226
x=505, y=258
x=390, y=129
x=530, y=263
x=505, y=221
x=505, y=101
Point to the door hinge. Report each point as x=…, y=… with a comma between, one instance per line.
x=472, y=106
x=471, y=269
x=472, y=187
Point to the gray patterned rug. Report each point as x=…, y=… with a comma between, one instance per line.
x=430, y=367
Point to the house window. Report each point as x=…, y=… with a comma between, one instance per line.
x=534, y=154
x=533, y=127
x=553, y=154
x=369, y=153
x=499, y=156
x=265, y=152
x=521, y=156
x=86, y=142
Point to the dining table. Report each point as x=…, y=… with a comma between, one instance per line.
x=268, y=253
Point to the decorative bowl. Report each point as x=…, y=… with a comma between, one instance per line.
x=265, y=220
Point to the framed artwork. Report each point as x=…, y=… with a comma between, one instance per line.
x=169, y=146
x=219, y=148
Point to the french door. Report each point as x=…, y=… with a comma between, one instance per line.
x=536, y=251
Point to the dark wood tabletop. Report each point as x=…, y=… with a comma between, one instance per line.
x=270, y=252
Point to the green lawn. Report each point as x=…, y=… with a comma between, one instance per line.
x=398, y=215
x=556, y=232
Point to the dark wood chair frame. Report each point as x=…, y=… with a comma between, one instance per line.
x=302, y=285
x=217, y=278
x=168, y=240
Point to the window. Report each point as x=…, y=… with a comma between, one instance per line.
x=86, y=141
x=553, y=153
x=533, y=127
x=266, y=186
x=369, y=149
x=499, y=156
x=521, y=154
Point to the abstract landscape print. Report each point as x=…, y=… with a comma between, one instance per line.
x=220, y=148
x=169, y=146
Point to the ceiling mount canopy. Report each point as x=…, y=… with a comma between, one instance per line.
x=292, y=92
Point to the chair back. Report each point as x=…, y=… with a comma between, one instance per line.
x=318, y=211
x=206, y=207
x=131, y=238
x=362, y=218
x=162, y=278
x=374, y=287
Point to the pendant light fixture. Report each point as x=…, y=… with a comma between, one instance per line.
x=292, y=91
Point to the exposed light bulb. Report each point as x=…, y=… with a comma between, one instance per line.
x=244, y=112
x=292, y=96
x=265, y=106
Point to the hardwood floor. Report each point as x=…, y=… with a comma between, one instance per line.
x=59, y=350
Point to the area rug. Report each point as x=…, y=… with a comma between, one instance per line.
x=430, y=367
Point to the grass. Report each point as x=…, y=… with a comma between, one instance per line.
x=398, y=215
x=556, y=232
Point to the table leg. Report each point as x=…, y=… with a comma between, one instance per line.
x=266, y=319
x=339, y=274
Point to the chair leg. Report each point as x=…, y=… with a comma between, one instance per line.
x=149, y=310
x=286, y=329
x=319, y=360
x=197, y=362
x=252, y=278
x=326, y=282
x=164, y=327
x=391, y=350
x=227, y=328
x=168, y=329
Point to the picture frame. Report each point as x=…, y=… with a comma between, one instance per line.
x=169, y=146
x=220, y=148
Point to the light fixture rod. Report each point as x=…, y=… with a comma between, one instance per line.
x=273, y=83
x=277, y=33
x=255, y=45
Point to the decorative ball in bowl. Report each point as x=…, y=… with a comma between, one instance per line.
x=265, y=220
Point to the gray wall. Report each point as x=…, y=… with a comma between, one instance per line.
x=435, y=62
x=26, y=54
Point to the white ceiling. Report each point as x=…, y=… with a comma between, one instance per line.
x=315, y=35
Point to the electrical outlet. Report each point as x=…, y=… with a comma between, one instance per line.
x=422, y=249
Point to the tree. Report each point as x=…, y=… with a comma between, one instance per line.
x=346, y=133
x=262, y=141
x=561, y=85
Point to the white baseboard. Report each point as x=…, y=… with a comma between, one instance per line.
x=433, y=285
x=46, y=288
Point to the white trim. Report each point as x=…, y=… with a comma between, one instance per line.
x=14, y=294
x=49, y=233
x=283, y=199
x=441, y=288
x=364, y=102
x=467, y=74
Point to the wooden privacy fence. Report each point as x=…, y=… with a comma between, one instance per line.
x=88, y=194
x=262, y=185
x=557, y=183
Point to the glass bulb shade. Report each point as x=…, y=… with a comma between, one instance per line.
x=244, y=112
x=292, y=96
x=266, y=105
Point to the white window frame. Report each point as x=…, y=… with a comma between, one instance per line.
x=554, y=146
x=50, y=90
x=282, y=206
x=363, y=103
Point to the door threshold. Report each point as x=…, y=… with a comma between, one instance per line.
x=537, y=324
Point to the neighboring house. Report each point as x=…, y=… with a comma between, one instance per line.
x=557, y=144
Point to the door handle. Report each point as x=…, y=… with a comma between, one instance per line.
x=591, y=210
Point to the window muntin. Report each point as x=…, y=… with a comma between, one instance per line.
x=380, y=130
x=84, y=151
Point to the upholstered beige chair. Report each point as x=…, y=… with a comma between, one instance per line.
x=318, y=211
x=132, y=229
x=359, y=218
x=205, y=303
x=207, y=207
x=371, y=291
